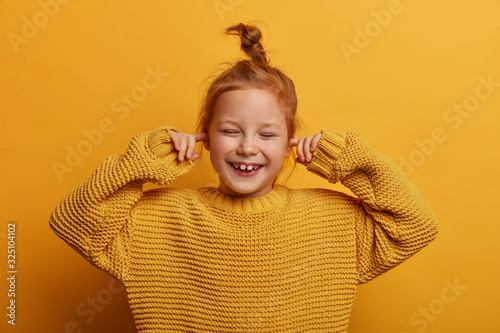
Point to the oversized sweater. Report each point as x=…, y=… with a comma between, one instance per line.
x=198, y=260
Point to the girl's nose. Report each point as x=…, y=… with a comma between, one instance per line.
x=248, y=147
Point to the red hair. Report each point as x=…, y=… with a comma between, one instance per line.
x=255, y=72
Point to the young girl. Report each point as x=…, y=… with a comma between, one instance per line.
x=250, y=255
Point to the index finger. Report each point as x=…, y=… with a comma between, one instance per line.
x=294, y=141
x=200, y=137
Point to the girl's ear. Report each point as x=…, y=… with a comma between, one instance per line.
x=288, y=151
x=206, y=144
x=289, y=148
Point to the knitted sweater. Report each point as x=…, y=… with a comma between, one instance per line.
x=198, y=260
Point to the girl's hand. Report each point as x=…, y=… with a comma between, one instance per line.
x=186, y=143
x=305, y=147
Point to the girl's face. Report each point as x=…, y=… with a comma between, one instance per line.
x=248, y=141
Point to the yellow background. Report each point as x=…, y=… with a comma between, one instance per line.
x=69, y=72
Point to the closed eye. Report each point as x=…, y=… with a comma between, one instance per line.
x=268, y=135
x=229, y=131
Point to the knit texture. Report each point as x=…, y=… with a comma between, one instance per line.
x=198, y=260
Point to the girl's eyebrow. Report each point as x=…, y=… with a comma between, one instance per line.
x=227, y=121
x=235, y=123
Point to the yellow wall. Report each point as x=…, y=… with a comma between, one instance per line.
x=411, y=76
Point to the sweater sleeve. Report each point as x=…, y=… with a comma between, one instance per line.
x=394, y=220
x=93, y=217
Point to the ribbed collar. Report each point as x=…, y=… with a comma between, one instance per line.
x=275, y=198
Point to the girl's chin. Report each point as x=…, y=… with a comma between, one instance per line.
x=240, y=191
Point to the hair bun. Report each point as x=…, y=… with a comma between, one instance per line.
x=250, y=37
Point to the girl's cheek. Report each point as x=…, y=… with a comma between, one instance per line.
x=220, y=144
x=275, y=150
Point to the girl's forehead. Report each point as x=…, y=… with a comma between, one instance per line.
x=253, y=109
x=253, y=103
x=269, y=117
x=247, y=97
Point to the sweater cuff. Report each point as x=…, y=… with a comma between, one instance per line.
x=166, y=165
x=158, y=141
x=327, y=152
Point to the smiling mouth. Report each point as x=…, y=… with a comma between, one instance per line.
x=247, y=168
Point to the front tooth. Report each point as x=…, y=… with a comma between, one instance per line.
x=249, y=168
x=243, y=167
